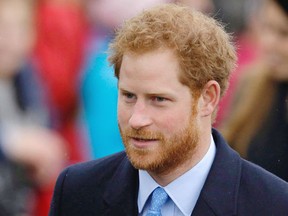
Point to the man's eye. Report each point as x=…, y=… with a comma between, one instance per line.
x=159, y=99
x=129, y=97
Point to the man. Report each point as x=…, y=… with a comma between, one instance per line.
x=172, y=66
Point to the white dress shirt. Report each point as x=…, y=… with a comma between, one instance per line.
x=183, y=191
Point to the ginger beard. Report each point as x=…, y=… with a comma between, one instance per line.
x=169, y=153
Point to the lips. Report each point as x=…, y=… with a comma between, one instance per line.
x=143, y=139
x=140, y=142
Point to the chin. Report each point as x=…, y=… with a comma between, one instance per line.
x=140, y=158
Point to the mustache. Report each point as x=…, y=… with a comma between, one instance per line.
x=143, y=134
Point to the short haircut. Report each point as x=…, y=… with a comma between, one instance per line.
x=204, y=50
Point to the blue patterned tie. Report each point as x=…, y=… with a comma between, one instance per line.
x=159, y=197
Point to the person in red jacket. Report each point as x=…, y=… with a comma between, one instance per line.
x=61, y=31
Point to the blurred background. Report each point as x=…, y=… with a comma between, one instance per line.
x=58, y=93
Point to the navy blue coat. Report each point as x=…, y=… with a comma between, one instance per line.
x=109, y=186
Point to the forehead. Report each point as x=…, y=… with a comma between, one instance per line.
x=150, y=71
x=152, y=65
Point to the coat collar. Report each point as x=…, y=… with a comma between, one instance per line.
x=220, y=191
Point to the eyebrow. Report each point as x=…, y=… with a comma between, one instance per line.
x=124, y=90
x=151, y=94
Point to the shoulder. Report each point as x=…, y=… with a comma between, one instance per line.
x=244, y=185
x=86, y=174
x=86, y=184
x=82, y=185
x=99, y=167
x=253, y=175
x=262, y=191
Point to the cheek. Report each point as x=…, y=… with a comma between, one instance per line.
x=122, y=114
x=173, y=122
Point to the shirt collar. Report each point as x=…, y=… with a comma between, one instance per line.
x=185, y=190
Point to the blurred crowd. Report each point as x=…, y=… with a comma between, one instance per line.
x=58, y=93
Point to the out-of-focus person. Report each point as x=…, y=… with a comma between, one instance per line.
x=258, y=123
x=31, y=154
x=241, y=20
x=61, y=30
x=99, y=86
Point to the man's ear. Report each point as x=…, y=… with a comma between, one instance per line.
x=210, y=97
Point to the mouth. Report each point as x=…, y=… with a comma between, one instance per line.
x=143, y=139
x=140, y=142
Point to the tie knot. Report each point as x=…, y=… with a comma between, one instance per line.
x=159, y=197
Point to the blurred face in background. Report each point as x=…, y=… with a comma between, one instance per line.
x=274, y=39
x=16, y=35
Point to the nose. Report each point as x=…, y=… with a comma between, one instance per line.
x=140, y=117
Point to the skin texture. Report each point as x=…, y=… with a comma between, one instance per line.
x=159, y=119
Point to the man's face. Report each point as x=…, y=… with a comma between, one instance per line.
x=157, y=114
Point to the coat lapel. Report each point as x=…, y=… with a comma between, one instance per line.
x=122, y=191
x=219, y=194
